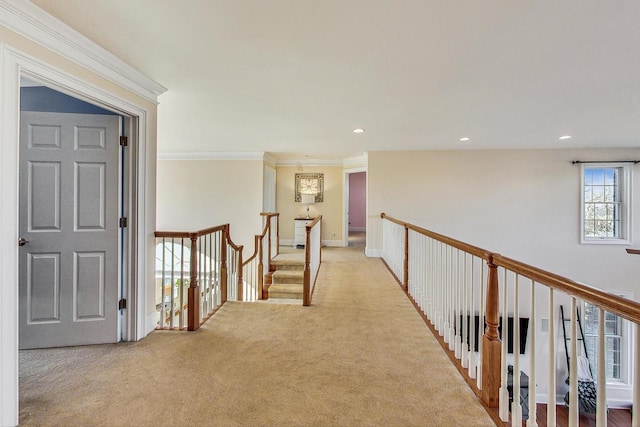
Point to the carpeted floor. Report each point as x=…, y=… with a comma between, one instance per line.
x=359, y=356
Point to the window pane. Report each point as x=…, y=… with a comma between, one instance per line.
x=602, y=204
x=597, y=176
x=609, y=176
x=613, y=341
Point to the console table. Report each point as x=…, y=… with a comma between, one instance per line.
x=300, y=235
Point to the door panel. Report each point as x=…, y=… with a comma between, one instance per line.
x=43, y=288
x=69, y=216
x=43, y=193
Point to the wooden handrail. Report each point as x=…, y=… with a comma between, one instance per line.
x=257, y=240
x=474, y=250
x=623, y=307
x=314, y=222
x=187, y=234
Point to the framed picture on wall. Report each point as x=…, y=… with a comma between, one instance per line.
x=309, y=183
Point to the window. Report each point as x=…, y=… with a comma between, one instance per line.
x=605, y=203
x=615, y=343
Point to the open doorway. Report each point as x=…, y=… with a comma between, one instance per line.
x=357, y=209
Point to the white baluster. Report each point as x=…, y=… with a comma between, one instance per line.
x=551, y=390
x=458, y=311
x=472, y=328
x=516, y=407
x=635, y=421
x=532, y=421
x=465, y=315
x=504, y=391
x=480, y=326
x=573, y=369
x=601, y=408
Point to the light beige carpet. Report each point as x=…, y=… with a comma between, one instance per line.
x=359, y=356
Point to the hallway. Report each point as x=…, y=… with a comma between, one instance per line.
x=359, y=356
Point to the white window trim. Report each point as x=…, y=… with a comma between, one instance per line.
x=625, y=192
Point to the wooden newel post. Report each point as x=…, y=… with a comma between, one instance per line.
x=405, y=281
x=240, y=279
x=193, y=318
x=277, y=235
x=258, y=244
x=491, y=344
x=306, y=285
x=223, y=266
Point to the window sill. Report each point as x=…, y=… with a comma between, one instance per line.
x=605, y=241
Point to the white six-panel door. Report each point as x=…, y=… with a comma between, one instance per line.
x=68, y=202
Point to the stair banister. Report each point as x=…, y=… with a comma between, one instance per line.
x=309, y=281
x=491, y=344
x=489, y=371
x=224, y=270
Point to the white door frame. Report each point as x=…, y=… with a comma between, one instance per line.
x=345, y=201
x=13, y=64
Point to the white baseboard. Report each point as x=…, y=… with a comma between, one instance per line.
x=151, y=322
x=373, y=253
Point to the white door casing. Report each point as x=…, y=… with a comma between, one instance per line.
x=68, y=200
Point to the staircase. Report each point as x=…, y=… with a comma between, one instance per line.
x=287, y=277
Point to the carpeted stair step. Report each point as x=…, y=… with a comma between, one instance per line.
x=286, y=291
x=281, y=277
x=288, y=264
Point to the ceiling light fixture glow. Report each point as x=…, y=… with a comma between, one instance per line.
x=565, y=137
x=359, y=130
x=463, y=139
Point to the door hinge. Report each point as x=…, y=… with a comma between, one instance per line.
x=124, y=141
x=123, y=222
x=122, y=304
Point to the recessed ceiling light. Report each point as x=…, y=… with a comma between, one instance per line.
x=359, y=130
x=463, y=139
x=565, y=137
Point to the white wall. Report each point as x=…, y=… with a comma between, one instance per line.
x=197, y=194
x=522, y=204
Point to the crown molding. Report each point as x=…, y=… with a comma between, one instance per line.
x=33, y=23
x=348, y=162
x=212, y=155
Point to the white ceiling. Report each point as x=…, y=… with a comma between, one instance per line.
x=295, y=77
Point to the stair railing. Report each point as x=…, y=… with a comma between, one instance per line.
x=197, y=272
x=266, y=247
x=191, y=276
x=312, y=258
x=445, y=279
